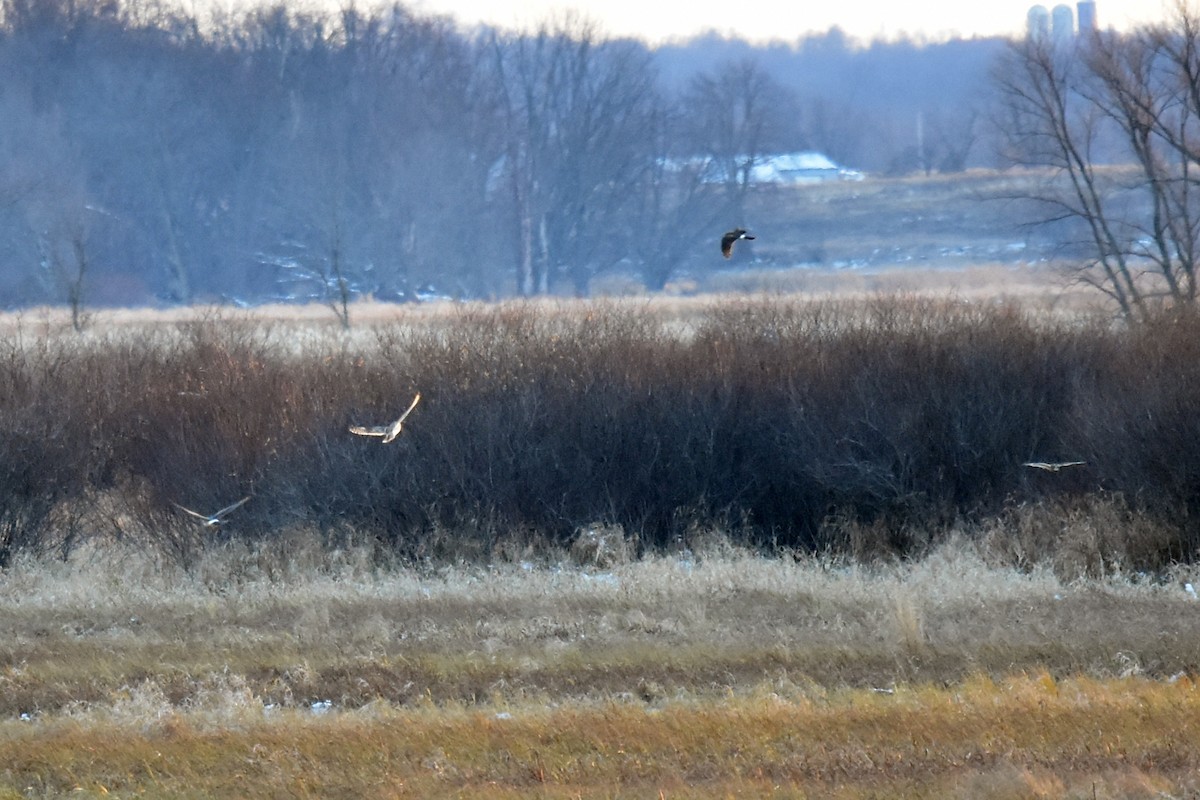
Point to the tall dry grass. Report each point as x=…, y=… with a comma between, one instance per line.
x=709, y=673
x=699, y=623
x=1026, y=736
x=861, y=427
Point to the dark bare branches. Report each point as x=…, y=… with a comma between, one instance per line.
x=1114, y=117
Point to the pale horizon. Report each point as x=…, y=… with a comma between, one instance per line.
x=766, y=20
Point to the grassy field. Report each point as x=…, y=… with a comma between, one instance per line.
x=1022, y=737
x=832, y=577
x=697, y=674
x=961, y=221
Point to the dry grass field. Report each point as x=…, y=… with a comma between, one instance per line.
x=1043, y=288
x=948, y=624
x=697, y=674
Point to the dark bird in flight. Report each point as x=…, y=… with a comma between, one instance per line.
x=388, y=432
x=729, y=238
x=1053, y=466
x=209, y=520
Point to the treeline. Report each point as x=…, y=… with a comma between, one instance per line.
x=148, y=154
x=885, y=107
x=766, y=420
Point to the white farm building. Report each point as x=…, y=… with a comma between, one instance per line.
x=779, y=168
x=803, y=167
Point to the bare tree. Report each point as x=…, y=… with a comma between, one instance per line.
x=578, y=113
x=1115, y=118
x=66, y=271
x=737, y=115
x=44, y=207
x=945, y=137
x=679, y=205
x=1145, y=83
x=839, y=128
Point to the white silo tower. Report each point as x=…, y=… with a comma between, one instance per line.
x=1062, y=23
x=1086, y=10
x=1037, y=23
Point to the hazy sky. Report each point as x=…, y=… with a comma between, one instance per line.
x=779, y=19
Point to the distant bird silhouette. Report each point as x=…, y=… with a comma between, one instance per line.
x=729, y=238
x=1053, y=466
x=388, y=432
x=213, y=519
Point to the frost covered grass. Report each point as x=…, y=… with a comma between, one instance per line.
x=700, y=673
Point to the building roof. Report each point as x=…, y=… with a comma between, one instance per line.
x=792, y=167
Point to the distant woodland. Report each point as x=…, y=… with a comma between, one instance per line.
x=151, y=156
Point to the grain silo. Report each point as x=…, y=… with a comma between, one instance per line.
x=1062, y=23
x=1087, y=15
x=1037, y=23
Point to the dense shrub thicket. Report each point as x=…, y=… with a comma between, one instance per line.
x=765, y=417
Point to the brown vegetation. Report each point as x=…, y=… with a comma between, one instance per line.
x=696, y=549
x=766, y=417
x=285, y=670
x=1023, y=737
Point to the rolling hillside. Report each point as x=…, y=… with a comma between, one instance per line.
x=879, y=223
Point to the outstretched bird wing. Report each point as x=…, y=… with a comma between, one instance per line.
x=389, y=431
x=213, y=519
x=411, y=406
x=373, y=430
x=1053, y=466
x=394, y=429
x=231, y=507
x=195, y=514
